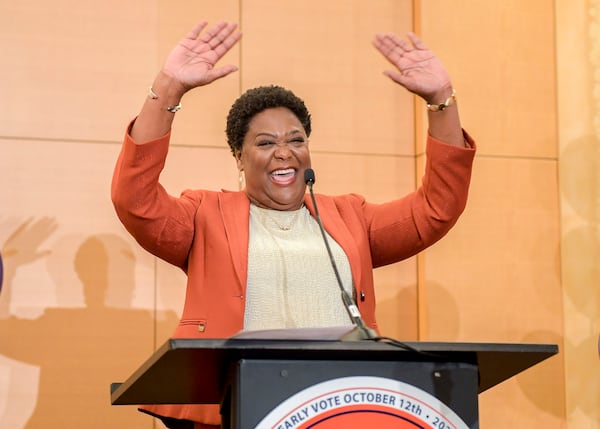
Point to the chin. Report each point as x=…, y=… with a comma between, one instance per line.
x=291, y=205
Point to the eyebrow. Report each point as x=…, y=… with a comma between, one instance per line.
x=275, y=136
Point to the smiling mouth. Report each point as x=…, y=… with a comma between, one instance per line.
x=284, y=176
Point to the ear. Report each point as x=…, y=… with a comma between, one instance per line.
x=238, y=160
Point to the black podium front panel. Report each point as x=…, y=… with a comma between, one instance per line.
x=398, y=389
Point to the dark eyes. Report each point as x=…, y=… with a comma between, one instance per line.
x=295, y=142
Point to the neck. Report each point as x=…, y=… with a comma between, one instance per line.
x=273, y=205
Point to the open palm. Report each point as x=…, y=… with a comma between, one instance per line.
x=417, y=68
x=192, y=62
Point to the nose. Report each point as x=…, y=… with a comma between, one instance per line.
x=282, y=150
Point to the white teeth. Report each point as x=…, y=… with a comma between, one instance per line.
x=282, y=172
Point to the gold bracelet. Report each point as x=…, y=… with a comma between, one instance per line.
x=151, y=94
x=154, y=96
x=173, y=109
x=439, y=107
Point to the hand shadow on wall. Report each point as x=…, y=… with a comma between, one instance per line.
x=80, y=351
x=22, y=247
x=20, y=383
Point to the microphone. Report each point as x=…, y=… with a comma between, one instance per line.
x=361, y=332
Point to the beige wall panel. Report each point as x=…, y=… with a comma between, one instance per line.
x=322, y=51
x=395, y=286
x=201, y=121
x=578, y=64
x=74, y=313
x=74, y=70
x=377, y=178
x=496, y=278
x=534, y=399
x=500, y=56
x=199, y=168
x=501, y=261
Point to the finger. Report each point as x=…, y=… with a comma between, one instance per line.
x=211, y=36
x=227, y=30
x=19, y=230
x=228, y=43
x=195, y=32
x=389, y=49
x=383, y=47
x=43, y=228
x=395, y=75
x=223, y=35
x=400, y=42
x=384, y=44
x=221, y=72
x=215, y=28
x=41, y=254
x=417, y=43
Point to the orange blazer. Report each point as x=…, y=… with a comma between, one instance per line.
x=206, y=234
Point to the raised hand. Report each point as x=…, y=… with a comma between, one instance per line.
x=23, y=245
x=417, y=68
x=193, y=61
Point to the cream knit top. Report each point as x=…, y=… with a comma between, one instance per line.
x=291, y=283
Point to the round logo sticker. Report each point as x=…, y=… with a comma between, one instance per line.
x=359, y=402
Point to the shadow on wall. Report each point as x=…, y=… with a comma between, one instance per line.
x=443, y=318
x=79, y=351
x=398, y=316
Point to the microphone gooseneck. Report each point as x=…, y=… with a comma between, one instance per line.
x=361, y=331
x=364, y=333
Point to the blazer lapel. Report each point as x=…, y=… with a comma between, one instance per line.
x=235, y=212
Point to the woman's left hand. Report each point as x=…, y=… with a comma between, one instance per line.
x=417, y=68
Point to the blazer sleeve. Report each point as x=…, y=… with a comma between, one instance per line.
x=402, y=228
x=160, y=223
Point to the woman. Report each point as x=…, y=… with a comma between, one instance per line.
x=249, y=254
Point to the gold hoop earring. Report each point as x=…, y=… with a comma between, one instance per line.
x=241, y=180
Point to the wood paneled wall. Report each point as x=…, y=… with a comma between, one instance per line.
x=83, y=305
x=578, y=64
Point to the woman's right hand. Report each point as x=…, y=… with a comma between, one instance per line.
x=192, y=62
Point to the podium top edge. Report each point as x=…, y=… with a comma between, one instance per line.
x=411, y=346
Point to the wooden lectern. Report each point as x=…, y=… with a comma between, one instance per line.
x=322, y=384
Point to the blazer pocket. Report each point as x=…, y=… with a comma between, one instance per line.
x=200, y=323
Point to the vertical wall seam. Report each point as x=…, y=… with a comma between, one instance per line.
x=417, y=142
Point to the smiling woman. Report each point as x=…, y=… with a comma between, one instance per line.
x=250, y=255
x=273, y=157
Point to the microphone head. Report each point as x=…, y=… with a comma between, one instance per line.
x=309, y=176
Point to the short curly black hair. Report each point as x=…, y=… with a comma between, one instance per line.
x=254, y=101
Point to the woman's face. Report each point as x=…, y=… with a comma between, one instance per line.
x=273, y=158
